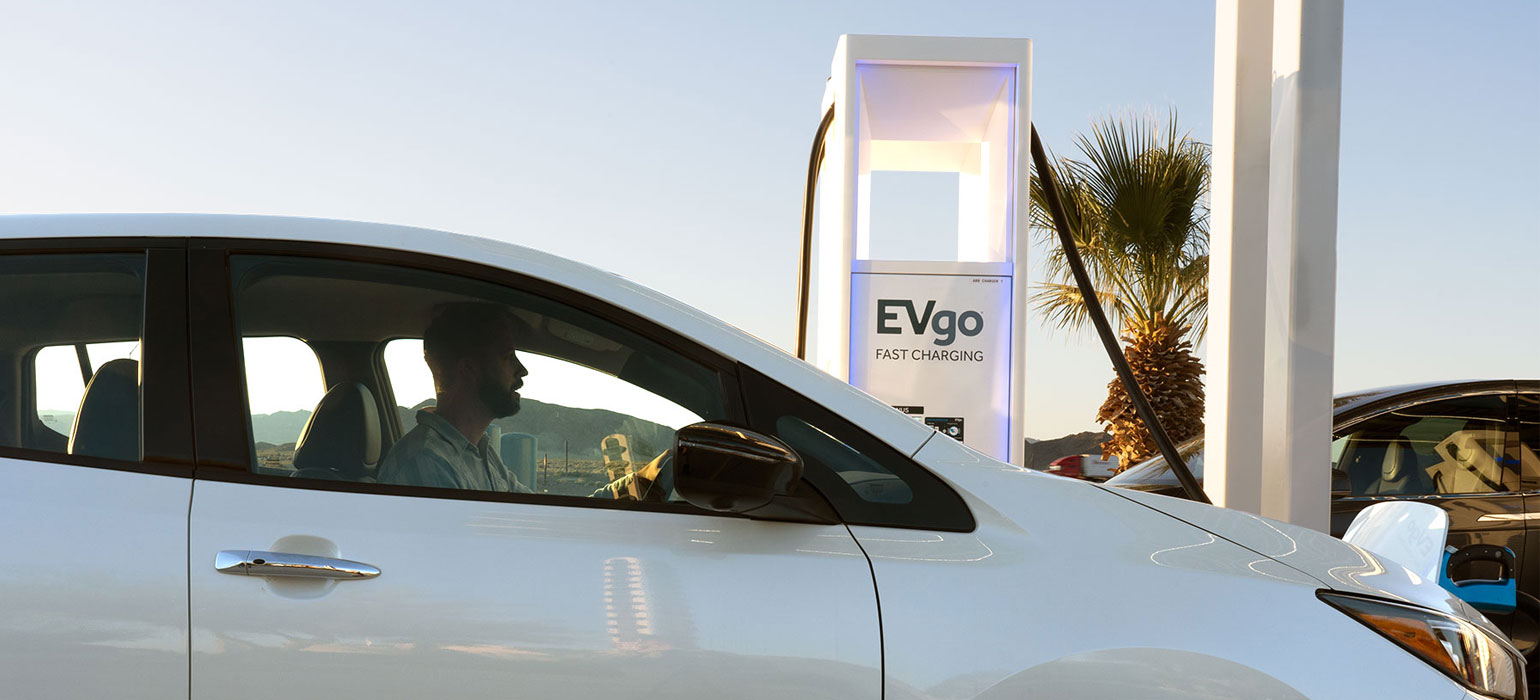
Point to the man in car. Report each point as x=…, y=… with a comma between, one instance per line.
x=469, y=347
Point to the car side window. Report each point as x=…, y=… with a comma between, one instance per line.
x=1453, y=446
x=440, y=381
x=69, y=348
x=578, y=432
x=867, y=482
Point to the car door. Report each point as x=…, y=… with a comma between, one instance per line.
x=583, y=588
x=1450, y=452
x=95, y=446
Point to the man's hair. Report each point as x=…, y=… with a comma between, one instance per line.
x=463, y=330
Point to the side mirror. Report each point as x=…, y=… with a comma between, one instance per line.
x=731, y=469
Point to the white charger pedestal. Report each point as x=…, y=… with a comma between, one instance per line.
x=942, y=339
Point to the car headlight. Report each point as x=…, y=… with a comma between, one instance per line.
x=1459, y=648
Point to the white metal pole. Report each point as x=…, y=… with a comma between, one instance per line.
x=1277, y=125
x=1243, y=47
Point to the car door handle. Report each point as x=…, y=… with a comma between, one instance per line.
x=250, y=562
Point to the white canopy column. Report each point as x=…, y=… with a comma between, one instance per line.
x=1273, y=258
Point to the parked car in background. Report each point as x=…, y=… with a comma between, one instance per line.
x=1088, y=467
x=763, y=531
x=1471, y=448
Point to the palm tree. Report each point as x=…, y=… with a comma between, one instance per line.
x=1136, y=208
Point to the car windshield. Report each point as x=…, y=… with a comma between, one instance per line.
x=1155, y=471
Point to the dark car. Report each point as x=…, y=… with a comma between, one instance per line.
x=1471, y=448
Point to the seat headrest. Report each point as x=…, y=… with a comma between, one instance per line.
x=1399, y=460
x=342, y=438
x=107, y=424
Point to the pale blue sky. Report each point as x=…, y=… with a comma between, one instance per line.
x=668, y=141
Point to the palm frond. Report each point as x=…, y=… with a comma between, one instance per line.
x=1135, y=200
x=1064, y=307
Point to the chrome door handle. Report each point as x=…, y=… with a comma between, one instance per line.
x=250, y=562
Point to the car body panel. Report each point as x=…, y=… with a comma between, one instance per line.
x=537, y=600
x=94, y=583
x=1336, y=564
x=1016, y=607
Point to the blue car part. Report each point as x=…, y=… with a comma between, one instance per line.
x=1499, y=595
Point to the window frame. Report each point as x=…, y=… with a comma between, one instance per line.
x=166, y=424
x=219, y=391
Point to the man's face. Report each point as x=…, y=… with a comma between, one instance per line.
x=501, y=377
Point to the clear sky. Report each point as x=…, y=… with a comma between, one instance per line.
x=668, y=141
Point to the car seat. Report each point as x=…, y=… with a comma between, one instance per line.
x=107, y=424
x=341, y=441
x=1467, y=466
x=1399, y=474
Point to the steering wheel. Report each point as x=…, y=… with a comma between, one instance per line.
x=654, y=481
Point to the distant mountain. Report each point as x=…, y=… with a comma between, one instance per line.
x=579, y=431
x=278, y=428
x=61, y=422
x=1040, y=453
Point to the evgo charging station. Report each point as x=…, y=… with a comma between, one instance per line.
x=940, y=339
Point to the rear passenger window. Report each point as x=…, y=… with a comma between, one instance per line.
x=70, y=330
x=61, y=373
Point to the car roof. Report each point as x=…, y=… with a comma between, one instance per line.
x=1349, y=403
x=902, y=433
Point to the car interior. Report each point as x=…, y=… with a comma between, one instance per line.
x=71, y=302
x=1411, y=454
x=346, y=313
x=67, y=306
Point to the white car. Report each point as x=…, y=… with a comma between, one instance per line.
x=795, y=538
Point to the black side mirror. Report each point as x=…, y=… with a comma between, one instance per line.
x=730, y=469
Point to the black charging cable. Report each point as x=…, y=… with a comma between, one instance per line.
x=809, y=195
x=1104, y=329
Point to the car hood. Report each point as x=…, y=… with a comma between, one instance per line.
x=1336, y=564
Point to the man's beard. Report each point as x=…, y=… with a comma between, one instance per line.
x=502, y=401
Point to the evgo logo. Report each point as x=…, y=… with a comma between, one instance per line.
x=945, y=324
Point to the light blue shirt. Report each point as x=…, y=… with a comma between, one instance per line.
x=437, y=454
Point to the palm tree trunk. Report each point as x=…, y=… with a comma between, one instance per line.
x=1171, y=377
